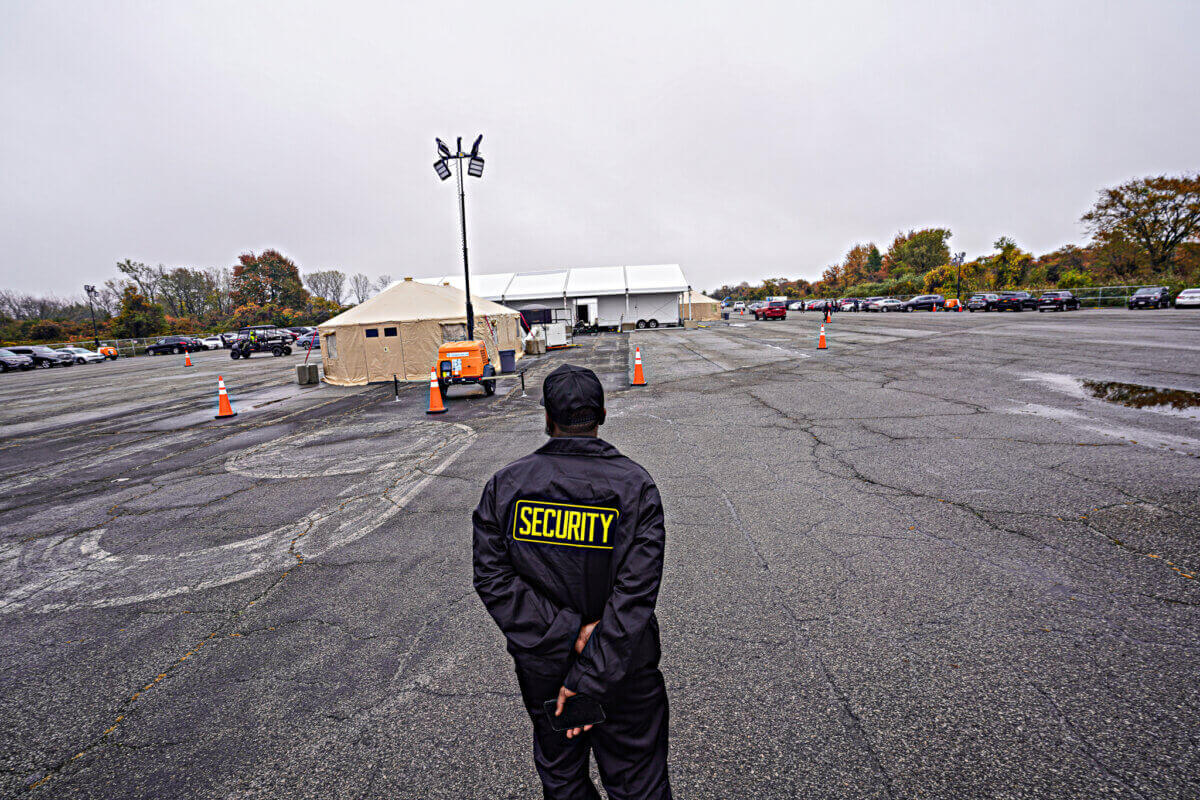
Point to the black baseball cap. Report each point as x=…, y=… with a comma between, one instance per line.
x=573, y=395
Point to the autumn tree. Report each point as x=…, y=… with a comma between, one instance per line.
x=1157, y=214
x=139, y=317
x=269, y=279
x=855, y=267
x=1009, y=267
x=1068, y=258
x=874, y=263
x=917, y=252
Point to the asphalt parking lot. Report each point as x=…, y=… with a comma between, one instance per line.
x=925, y=562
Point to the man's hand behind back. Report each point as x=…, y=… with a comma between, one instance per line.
x=585, y=633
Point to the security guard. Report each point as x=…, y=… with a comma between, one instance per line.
x=568, y=550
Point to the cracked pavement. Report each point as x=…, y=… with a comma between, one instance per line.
x=918, y=564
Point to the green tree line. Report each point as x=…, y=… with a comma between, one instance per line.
x=1146, y=230
x=141, y=301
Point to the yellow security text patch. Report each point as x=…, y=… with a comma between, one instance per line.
x=563, y=523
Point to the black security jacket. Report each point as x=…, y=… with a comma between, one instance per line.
x=570, y=534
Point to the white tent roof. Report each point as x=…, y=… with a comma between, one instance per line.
x=577, y=282
x=411, y=301
x=490, y=285
x=595, y=281
x=656, y=278
x=533, y=285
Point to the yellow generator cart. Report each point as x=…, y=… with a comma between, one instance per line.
x=465, y=362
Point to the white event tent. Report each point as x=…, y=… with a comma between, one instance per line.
x=618, y=297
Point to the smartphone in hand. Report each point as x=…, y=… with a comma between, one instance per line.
x=578, y=710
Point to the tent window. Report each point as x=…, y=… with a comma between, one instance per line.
x=331, y=344
x=389, y=331
x=453, y=332
x=372, y=333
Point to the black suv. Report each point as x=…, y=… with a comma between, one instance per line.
x=260, y=339
x=44, y=357
x=1058, y=301
x=1016, y=301
x=174, y=344
x=10, y=360
x=983, y=301
x=1150, y=297
x=925, y=302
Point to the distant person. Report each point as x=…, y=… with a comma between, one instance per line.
x=568, y=552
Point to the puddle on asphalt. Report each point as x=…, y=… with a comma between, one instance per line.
x=1173, y=402
x=1152, y=397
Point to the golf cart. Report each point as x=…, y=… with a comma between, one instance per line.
x=260, y=339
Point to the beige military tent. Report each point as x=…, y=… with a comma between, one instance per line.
x=703, y=307
x=398, y=332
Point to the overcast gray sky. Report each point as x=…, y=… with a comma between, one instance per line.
x=742, y=140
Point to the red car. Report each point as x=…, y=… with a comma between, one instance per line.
x=776, y=309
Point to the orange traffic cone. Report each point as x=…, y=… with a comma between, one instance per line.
x=224, y=409
x=638, y=378
x=187, y=360
x=828, y=319
x=435, y=395
x=821, y=340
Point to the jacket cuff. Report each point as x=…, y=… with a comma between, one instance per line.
x=583, y=682
x=559, y=641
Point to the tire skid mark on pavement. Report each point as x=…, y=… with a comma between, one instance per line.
x=380, y=484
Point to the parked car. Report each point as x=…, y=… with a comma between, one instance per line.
x=109, y=352
x=10, y=360
x=776, y=309
x=82, y=355
x=850, y=303
x=44, y=357
x=815, y=305
x=885, y=304
x=1188, y=298
x=174, y=344
x=1058, y=301
x=212, y=342
x=797, y=305
x=1016, y=301
x=1150, y=297
x=983, y=301
x=262, y=339
x=740, y=305
x=925, y=302
x=309, y=341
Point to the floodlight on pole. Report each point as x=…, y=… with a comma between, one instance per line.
x=475, y=170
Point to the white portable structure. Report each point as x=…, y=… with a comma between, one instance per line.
x=604, y=296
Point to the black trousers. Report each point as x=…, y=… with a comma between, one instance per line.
x=630, y=745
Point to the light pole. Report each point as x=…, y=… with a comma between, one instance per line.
x=958, y=262
x=475, y=170
x=91, y=290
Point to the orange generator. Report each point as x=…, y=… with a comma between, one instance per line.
x=465, y=362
